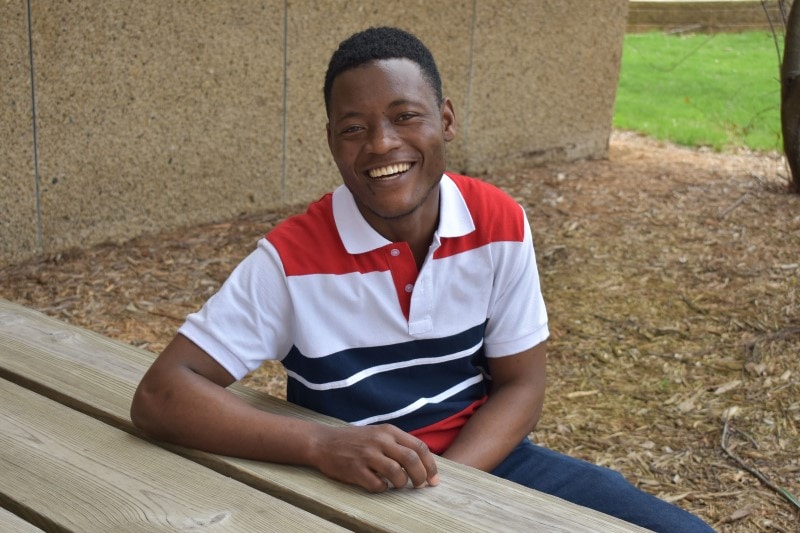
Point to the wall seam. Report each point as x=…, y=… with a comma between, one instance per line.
x=285, y=98
x=468, y=106
x=36, y=177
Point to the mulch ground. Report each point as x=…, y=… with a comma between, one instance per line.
x=672, y=278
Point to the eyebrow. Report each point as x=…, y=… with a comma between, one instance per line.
x=394, y=103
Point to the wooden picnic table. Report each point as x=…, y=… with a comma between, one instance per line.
x=70, y=459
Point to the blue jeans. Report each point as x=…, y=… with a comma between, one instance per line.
x=596, y=487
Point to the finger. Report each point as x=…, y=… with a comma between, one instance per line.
x=429, y=462
x=374, y=482
x=394, y=474
x=417, y=461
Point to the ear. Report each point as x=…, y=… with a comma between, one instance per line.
x=448, y=120
x=328, y=133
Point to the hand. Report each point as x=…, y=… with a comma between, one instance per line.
x=374, y=457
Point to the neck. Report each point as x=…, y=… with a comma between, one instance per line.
x=415, y=228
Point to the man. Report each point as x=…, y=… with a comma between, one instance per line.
x=407, y=303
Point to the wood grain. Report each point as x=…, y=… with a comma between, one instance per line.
x=98, y=376
x=65, y=468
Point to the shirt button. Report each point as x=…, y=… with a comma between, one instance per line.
x=395, y=252
x=409, y=287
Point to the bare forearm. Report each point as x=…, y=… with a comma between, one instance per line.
x=510, y=413
x=495, y=429
x=183, y=399
x=213, y=419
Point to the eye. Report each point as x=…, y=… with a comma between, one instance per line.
x=402, y=117
x=351, y=129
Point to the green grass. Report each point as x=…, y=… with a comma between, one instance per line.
x=719, y=90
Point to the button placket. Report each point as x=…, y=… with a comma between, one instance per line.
x=420, y=320
x=404, y=272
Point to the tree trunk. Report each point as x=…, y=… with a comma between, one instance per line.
x=790, y=95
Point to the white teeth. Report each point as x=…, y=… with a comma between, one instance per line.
x=389, y=170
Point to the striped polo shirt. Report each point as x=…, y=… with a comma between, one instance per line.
x=364, y=336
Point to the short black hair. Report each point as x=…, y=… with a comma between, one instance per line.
x=379, y=43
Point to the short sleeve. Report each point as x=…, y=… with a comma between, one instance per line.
x=249, y=320
x=517, y=318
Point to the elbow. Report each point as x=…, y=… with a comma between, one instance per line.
x=144, y=410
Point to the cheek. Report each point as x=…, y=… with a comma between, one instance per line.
x=436, y=150
x=346, y=171
x=343, y=158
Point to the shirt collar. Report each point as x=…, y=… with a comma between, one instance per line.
x=359, y=237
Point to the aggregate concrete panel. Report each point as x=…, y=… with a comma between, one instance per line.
x=155, y=115
x=544, y=80
x=315, y=29
x=18, y=221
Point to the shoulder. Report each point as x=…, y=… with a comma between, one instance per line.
x=305, y=242
x=306, y=228
x=482, y=194
x=495, y=214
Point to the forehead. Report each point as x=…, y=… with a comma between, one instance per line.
x=380, y=82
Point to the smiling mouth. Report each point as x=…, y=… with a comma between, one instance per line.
x=389, y=171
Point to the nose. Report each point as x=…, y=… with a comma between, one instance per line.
x=383, y=138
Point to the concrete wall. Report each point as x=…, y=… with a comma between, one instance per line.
x=152, y=115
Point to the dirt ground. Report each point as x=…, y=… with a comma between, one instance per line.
x=671, y=277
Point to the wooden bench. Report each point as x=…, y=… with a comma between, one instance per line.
x=11, y=522
x=70, y=458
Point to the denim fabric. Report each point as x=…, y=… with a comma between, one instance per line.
x=595, y=487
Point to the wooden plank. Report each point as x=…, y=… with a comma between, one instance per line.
x=64, y=469
x=11, y=523
x=98, y=376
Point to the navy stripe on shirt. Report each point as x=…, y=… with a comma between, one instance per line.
x=388, y=383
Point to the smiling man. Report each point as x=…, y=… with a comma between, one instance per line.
x=387, y=131
x=406, y=302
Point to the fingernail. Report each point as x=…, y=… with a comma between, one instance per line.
x=434, y=480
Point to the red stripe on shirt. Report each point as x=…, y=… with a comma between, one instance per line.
x=440, y=436
x=314, y=234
